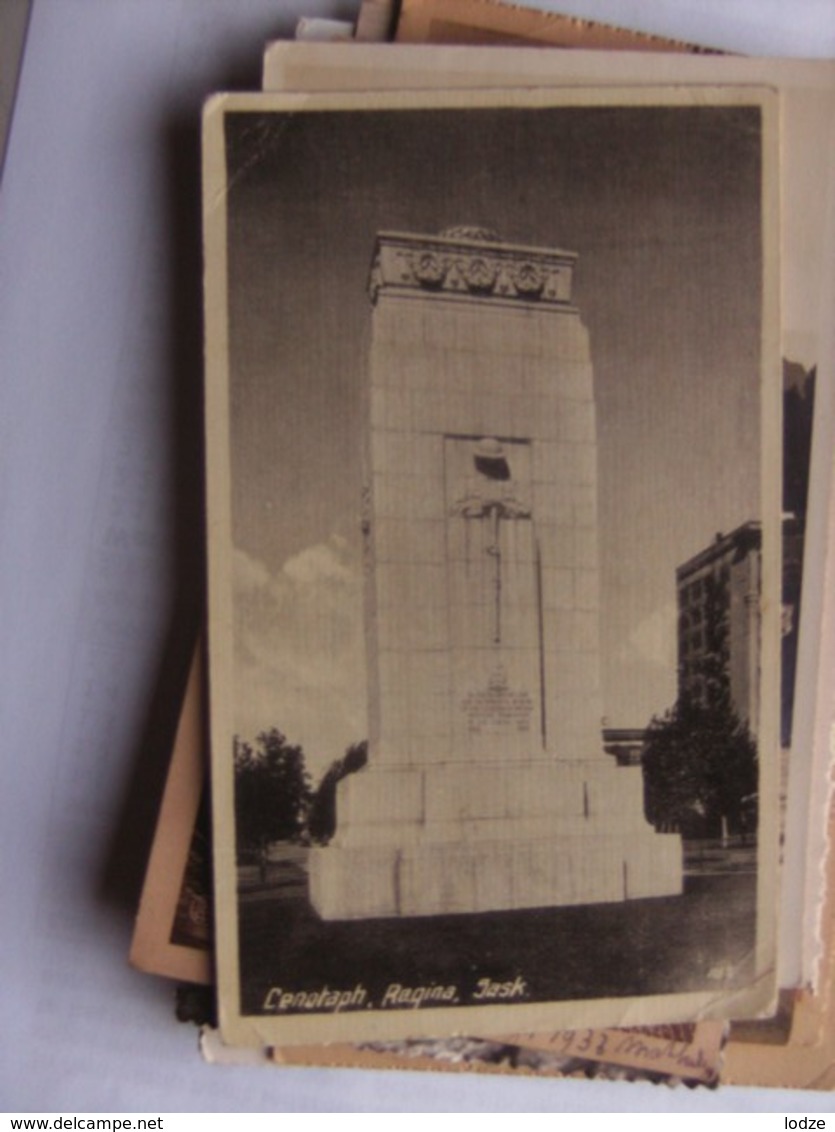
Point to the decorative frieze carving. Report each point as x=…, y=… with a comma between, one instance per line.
x=471, y=261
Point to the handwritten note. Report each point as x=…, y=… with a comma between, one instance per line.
x=696, y=1057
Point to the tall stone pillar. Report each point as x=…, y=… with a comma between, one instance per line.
x=487, y=786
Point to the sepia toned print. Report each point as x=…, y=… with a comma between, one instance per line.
x=805, y=116
x=483, y=399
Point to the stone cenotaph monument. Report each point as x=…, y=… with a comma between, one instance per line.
x=487, y=786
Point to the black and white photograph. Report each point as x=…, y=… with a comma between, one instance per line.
x=493, y=418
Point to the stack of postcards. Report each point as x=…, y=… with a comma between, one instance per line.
x=519, y=373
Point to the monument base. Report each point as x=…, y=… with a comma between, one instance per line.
x=439, y=879
x=479, y=838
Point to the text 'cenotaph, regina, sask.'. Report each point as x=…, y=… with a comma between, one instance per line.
x=487, y=786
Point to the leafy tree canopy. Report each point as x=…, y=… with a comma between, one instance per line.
x=700, y=766
x=272, y=791
x=700, y=759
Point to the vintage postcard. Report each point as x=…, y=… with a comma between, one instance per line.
x=376, y=21
x=173, y=932
x=807, y=90
x=807, y=174
x=808, y=1061
x=488, y=23
x=461, y=380
x=686, y=1053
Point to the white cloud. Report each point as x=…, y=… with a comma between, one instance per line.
x=640, y=672
x=653, y=639
x=324, y=562
x=299, y=650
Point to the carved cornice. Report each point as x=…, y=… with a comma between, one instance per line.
x=472, y=262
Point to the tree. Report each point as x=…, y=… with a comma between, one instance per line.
x=700, y=770
x=272, y=792
x=700, y=759
x=322, y=820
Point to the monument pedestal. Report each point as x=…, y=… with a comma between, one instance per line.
x=483, y=838
x=487, y=785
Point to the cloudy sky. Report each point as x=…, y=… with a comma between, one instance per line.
x=662, y=205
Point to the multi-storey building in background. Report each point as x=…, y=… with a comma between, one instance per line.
x=718, y=590
x=719, y=619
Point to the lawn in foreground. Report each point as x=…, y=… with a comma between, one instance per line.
x=701, y=940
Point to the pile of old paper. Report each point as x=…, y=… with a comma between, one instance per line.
x=519, y=445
